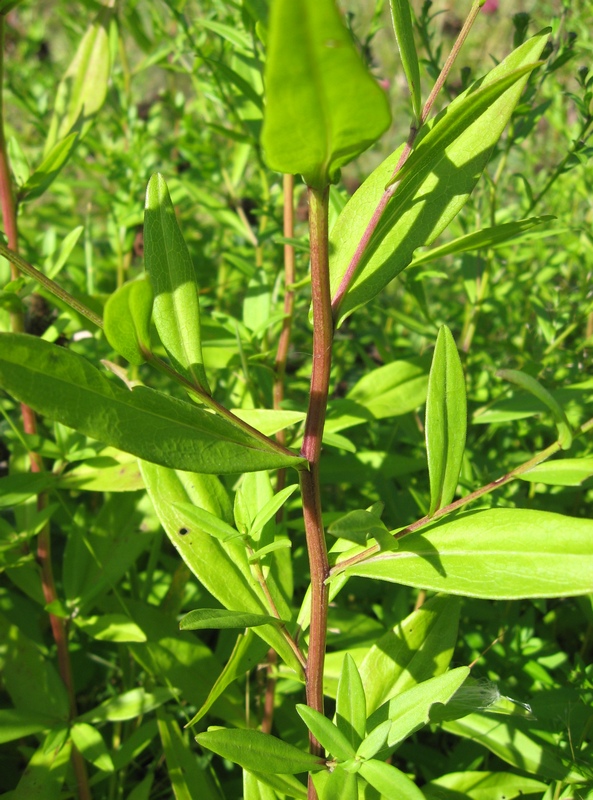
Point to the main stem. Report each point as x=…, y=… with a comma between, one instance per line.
x=311, y=450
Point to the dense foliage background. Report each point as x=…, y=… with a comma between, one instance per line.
x=184, y=99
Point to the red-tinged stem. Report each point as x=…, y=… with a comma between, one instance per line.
x=311, y=450
x=543, y=455
x=9, y=219
x=392, y=188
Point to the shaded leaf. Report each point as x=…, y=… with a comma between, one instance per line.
x=49, y=169
x=126, y=320
x=188, y=780
x=481, y=786
x=129, y=705
x=219, y=618
x=537, y=390
x=110, y=628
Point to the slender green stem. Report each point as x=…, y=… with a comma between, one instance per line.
x=23, y=266
x=543, y=455
x=311, y=450
x=580, y=140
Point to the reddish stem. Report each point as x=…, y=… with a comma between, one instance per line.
x=311, y=450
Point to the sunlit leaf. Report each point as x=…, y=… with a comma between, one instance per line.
x=312, y=126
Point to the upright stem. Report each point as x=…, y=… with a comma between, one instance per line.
x=311, y=450
x=58, y=627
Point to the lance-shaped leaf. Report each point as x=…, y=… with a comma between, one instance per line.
x=495, y=236
x=560, y=472
x=50, y=167
x=327, y=734
x=126, y=321
x=501, y=553
x=446, y=420
x=258, y=751
x=312, y=126
x=404, y=33
x=83, y=89
x=219, y=618
x=428, y=199
x=65, y=387
x=351, y=703
x=389, y=781
x=222, y=567
x=537, y=390
x=176, y=305
x=188, y=780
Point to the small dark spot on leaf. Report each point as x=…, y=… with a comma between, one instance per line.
x=183, y=531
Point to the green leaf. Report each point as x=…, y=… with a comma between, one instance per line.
x=337, y=784
x=90, y=743
x=8, y=5
x=126, y=320
x=129, y=705
x=481, y=786
x=50, y=167
x=404, y=33
x=425, y=203
x=63, y=386
x=188, y=780
x=394, y=389
x=561, y=472
x=357, y=526
x=44, y=775
x=83, y=89
x=222, y=567
x=17, y=723
x=410, y=710
x=15, y=489
x=285, y=784
x=446, y=420
x=258, y=751
x=327, y=734
x=271, y=507
x=110, y=628
x=247, y=652
x=176, y=308
x=513, y=742
x=537, y=390
x=219, y=618
x=312, y=126
x=374, y=741
x=455, y=121
x=500, y=553
x=207, y=522
x=417, y=649
x=351, y=703
x=269, y=421
x=495, y=236
x=389, y=781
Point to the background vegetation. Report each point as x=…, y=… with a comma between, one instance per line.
x=184, y=99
